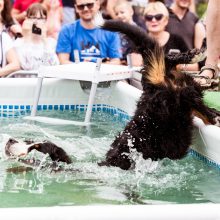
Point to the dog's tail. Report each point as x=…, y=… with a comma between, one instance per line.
x=152, y=53
x=154, y=71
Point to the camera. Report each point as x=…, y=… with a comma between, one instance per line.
x=36, y=30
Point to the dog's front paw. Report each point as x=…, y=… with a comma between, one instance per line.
x=217, y=121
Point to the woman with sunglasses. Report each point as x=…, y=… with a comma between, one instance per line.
x=156, y=19
x=35, y=48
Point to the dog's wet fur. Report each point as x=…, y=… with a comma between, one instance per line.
x=162, y=126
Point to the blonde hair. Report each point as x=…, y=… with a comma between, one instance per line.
x=156, y=6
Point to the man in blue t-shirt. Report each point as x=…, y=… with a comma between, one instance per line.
x=91, y=42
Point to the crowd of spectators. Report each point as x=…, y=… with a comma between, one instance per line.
x=48, y=32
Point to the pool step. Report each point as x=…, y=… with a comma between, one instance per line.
x=55, y=121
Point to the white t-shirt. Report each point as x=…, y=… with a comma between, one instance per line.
x=6, y=43
x=32, y=55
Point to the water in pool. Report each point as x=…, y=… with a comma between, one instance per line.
x=185, y=181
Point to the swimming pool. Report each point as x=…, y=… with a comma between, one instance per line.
x=171, y=182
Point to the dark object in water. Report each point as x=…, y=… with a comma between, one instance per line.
x=19, y=169
x=19, y=148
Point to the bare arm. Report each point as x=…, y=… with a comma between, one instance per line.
x=213, y=32
x=115, y=61
x=64, y=58
x=19, y=16
x=213, y=46
x=12, y=63
x=200, y=34
x=136, y=59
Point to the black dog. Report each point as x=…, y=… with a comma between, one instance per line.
x=162, y=125
x=15, y=148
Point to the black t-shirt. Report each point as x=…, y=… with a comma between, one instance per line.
x=175, y=42
x=184, y=27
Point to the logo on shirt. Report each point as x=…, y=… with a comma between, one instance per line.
x=90, y=51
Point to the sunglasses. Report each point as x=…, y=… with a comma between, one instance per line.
x=82, y=6
x=158, y=17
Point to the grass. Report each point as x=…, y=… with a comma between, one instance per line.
x=201, y=8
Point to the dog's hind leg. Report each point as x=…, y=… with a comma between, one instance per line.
x=193, y=94
x=194, y=99
x=215, y=119
x=215, y=115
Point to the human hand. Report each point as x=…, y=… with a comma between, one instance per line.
x=23, y=14
x=27, y=28
x=16, y=28
x=27, y=25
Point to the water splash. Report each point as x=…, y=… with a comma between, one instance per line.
x=149, y=182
